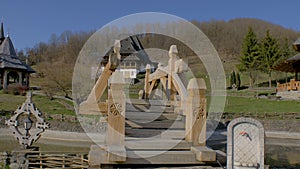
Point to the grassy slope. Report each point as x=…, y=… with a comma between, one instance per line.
x=242, y=104
x=233, y=104
x=237, y=101
x=55, y=106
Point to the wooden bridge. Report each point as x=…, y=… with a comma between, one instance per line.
x=146, y=131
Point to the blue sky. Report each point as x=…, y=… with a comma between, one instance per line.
x=33, y=21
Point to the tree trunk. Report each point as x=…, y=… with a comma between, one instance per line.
x=251, y=80
x=270, y=80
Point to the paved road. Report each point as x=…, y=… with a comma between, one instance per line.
x=82, y=139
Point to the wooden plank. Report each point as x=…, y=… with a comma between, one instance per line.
x=133, y=124
x=149, y=108
x=167, y=134
x=144, y=133
x=174, y=134
x=147, y=102
x=164, y=124
x=90, y=106
x=152, y=116
x=152, y=86
x=157, y=144
x=204, y=153
x=159, y=73
x=161, y=157
x=163, y=81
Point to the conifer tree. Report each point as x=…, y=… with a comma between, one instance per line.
x=271, y=53
x=232, y=79
x=250, y=57
x=286, y=51
x=238, y=80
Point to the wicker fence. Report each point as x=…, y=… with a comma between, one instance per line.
x=57, y=160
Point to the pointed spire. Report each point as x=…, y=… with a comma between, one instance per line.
x=2, y=37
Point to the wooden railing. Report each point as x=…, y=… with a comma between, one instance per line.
x=292, y=85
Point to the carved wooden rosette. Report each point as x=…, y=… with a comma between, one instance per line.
x=116, y=109
x=200, y=112
x=27, y=108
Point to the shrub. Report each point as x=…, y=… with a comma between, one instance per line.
x=16, y=89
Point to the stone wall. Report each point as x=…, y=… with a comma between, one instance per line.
x=290, y=95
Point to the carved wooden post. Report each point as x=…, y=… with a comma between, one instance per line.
x=116, y=118
x=173, y=53
x=196, y=112
x=115, y=57
x=147, y=85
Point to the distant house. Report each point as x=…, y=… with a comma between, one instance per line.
x=12, y=69
x=133, y=58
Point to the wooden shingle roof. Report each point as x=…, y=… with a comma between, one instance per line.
x=10, y=61
x=8, y=56
x=131, y=45
x=7, y=47
x=290, y=65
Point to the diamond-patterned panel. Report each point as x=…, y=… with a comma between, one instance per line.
x=246, y=144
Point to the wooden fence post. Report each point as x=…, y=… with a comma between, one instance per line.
x=173, y=53
x=41, y=162
x=147, y=85
x=196, y=112
x=116, y=118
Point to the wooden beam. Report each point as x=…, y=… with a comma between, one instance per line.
x=163, y=81
x=152, y=86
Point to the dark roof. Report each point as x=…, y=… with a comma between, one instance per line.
x=10, y=61
x=131, y=45
x=7, y=47
x=290, y=65
x=8, y=56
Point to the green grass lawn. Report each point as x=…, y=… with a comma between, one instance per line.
x=56, y=106
x=234, y=103
x=243, y=104
x=10, y=102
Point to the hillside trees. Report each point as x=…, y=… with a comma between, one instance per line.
x=55, y=60
x=263, y=55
